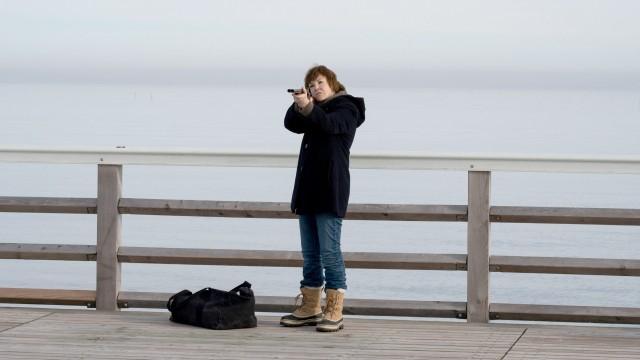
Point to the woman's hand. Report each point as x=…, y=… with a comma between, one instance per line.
x=302, y=99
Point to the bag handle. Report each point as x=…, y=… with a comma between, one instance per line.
x=173, y=297
x=170, y=302
x=244, y=284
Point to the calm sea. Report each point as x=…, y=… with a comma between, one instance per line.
x=398, y=120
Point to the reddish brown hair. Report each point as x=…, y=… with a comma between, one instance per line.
x=332, y=79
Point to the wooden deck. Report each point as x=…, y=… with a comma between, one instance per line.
x=30, y=333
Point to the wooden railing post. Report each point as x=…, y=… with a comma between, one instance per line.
x=478, y=227
x=109, y=235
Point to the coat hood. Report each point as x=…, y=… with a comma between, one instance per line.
x=357, y=101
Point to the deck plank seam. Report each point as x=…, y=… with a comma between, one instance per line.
x=514, y=343
x=28, y=322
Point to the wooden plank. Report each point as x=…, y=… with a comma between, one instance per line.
x=562, y=265
x=48, y=252
x=130, y=299
x=379, y=307
x=48, y=296
x=577, y=342
x=47, y=205
x=405, y=261
x=65, y=334
x=478, y=228
x=108, y=270
x=129, y=254
x=593, y=314
x=229, y=257
x=403, y=212
x=565, y=215
x=11, y=318
x=144, y=335
x=206, y=208
x=441, y=309
x=280, y=210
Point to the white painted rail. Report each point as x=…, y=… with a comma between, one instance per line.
x=620, y=164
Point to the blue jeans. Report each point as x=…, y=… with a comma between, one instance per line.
x=320, y=238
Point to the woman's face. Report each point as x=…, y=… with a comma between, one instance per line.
x=320, y=89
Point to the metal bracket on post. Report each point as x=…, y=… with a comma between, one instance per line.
x=478, y=228
x=109, y=237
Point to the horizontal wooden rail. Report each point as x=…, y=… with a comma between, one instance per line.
x=48, y=252
x=400, y=212
x=48, y=205
x=154, y=300
x=527, y=312
x=407, y=212
x=360, y=260
x=498, y=311
x=205, y=208
x=283, y=211
x=48, y=296
x=351, y=306
x=563, y=265
x=564, y=215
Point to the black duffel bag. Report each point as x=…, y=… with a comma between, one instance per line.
x=215, y=309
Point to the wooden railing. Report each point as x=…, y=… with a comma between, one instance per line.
x=109, y=253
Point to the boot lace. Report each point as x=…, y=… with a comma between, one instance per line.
x=299, y=301
x=330, y=307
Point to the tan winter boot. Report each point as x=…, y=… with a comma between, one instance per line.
x=308, y=311
x=332, y=320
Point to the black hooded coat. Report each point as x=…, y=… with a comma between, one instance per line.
x=322, y=178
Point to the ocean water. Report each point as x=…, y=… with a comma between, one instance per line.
x=561, y=122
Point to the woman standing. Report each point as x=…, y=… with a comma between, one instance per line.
x=328, y=118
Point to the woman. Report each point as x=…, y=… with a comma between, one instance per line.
x=328, y=118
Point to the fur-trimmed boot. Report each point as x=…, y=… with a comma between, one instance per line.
x=332, y=316
x=308, y=312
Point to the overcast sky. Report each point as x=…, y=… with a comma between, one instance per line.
x=586, y=36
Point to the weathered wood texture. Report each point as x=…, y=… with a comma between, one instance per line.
x=108, y=270
x=48, y=205
x=407, y=212
x=478, y=228
x=362, y=260
x=132, y=335
x=565, y=215
x=48, y=252
x=513, y=214
x=14, y=318
x=565, y=313
x=64, y=334
x=572, y=342
x=560, y=265
x=48, y=296
x=282, y=210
